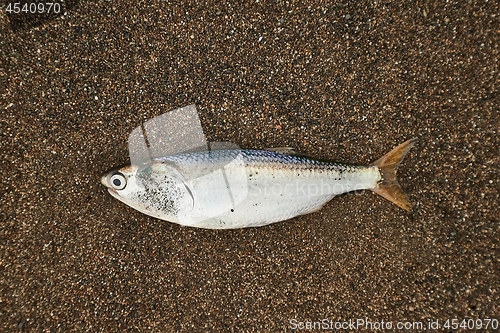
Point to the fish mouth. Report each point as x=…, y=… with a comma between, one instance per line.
x=103, y=178
x=111, y=190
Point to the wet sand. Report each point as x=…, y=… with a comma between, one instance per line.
x=341, y=81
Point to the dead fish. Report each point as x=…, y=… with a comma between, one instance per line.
x=231, y=188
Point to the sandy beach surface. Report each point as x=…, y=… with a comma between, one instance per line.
x=346, y=81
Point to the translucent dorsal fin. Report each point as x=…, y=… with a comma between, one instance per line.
x=284, y=151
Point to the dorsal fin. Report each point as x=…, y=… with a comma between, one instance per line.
x=283, y=150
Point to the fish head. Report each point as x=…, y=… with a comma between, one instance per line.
x=156, y=189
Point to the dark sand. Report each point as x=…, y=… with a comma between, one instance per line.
x=344, y=81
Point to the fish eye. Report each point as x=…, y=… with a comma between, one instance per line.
x=118, y=181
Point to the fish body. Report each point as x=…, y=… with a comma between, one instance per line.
x=231, y=188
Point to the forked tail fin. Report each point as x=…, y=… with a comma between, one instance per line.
x=388, y=164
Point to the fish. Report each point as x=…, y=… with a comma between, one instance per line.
x=238, y=188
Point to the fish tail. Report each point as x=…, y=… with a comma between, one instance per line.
x=388, y=186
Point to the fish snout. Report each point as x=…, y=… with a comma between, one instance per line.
x=104, y=179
